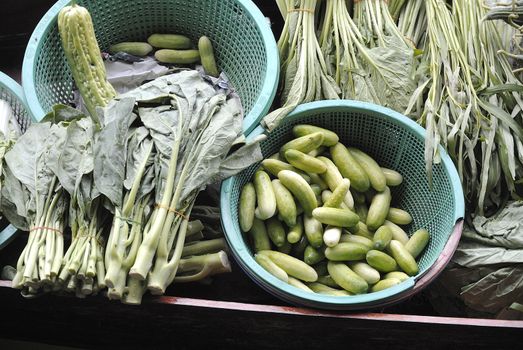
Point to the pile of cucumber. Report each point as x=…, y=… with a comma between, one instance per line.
x=173, y=49
x=318, y=217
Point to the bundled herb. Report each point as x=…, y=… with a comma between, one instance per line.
x=369, y=58
x=305, y=75
x=34, y=200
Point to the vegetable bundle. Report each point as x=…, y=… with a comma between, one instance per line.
x=435, y=62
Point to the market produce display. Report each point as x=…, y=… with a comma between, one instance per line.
x=122, y=179
x=328, y=205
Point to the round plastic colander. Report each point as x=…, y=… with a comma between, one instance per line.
x=395, y=142
x=243, y=43
x=12, y=92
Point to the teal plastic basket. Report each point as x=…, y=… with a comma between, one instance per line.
x=12, y=92
x=244, y=46
x=395, y=142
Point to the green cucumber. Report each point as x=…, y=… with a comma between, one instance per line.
x=349, y=167
x=312, y=256
x=399, y=216
x=362, y=210
x=392, y=177
x=271, y=267
x=382, y=237
x=365, y=271
x=348, y=238
x=276, y=232
x=294, y=267
x=364, y=231
x=384, y=284
x=381, y=261
x=327, y=279
x=207, y=56
x=376, y=177
x=402, y=276
x=247, y=207
x=378, y=209
x=397, y=232
x=170, y=41
x=300, y=189
x=295, y=233
x=346, y=278
x=274, y=166
x=305, y=162
x=338, y=195
x=333, y=179
x=324, y=289
x=346, y=252
x=299, y=284
x=325, y=197
x=417, y=242
x=329, y=138
x=404, y=259
x=336, y=217
x=177, y=56
x=264, y=195
x=133, y=48
x=285, y=203
x=259, y=236
x=313, y=230
x=303, y=144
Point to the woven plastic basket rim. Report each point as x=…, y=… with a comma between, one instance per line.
x=251, y=120
x=297, y=296
x=14, y=88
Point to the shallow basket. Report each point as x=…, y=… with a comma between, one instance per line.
x=243, y=42
x=395, y=142
x=12, y=92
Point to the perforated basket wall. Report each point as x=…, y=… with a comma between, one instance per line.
x=11, y=92
x=395, y=142
x=243, y=43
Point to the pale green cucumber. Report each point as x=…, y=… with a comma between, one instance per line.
x=247, y=207
x=274, y=166
x=346, y=252
x=338, y=195
x=276, y=231
x=301, y=190
x=417, y=242
x=376, y=177
x=313, y=230
x=295, y=232
x=259, y=236
x=365, y=271
x=265, y=196
x=346, y=278
x=382, y=237
x=294, y=267
x=381, y=261
x=378, y=209
x=170, y=41
x=271, y=267
x=404, y=259
x=349, y=167
x=352, y=238
x=303, y=144
x=402, y=276
x=333, y=179
x=285, y=203
x=331, y=236
x=329, y=138
x=384, y=284
x=133, y=48
x=305, y=162
x=336, y=217
x=399, y=216
x=397, y=232
x=392, y=177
